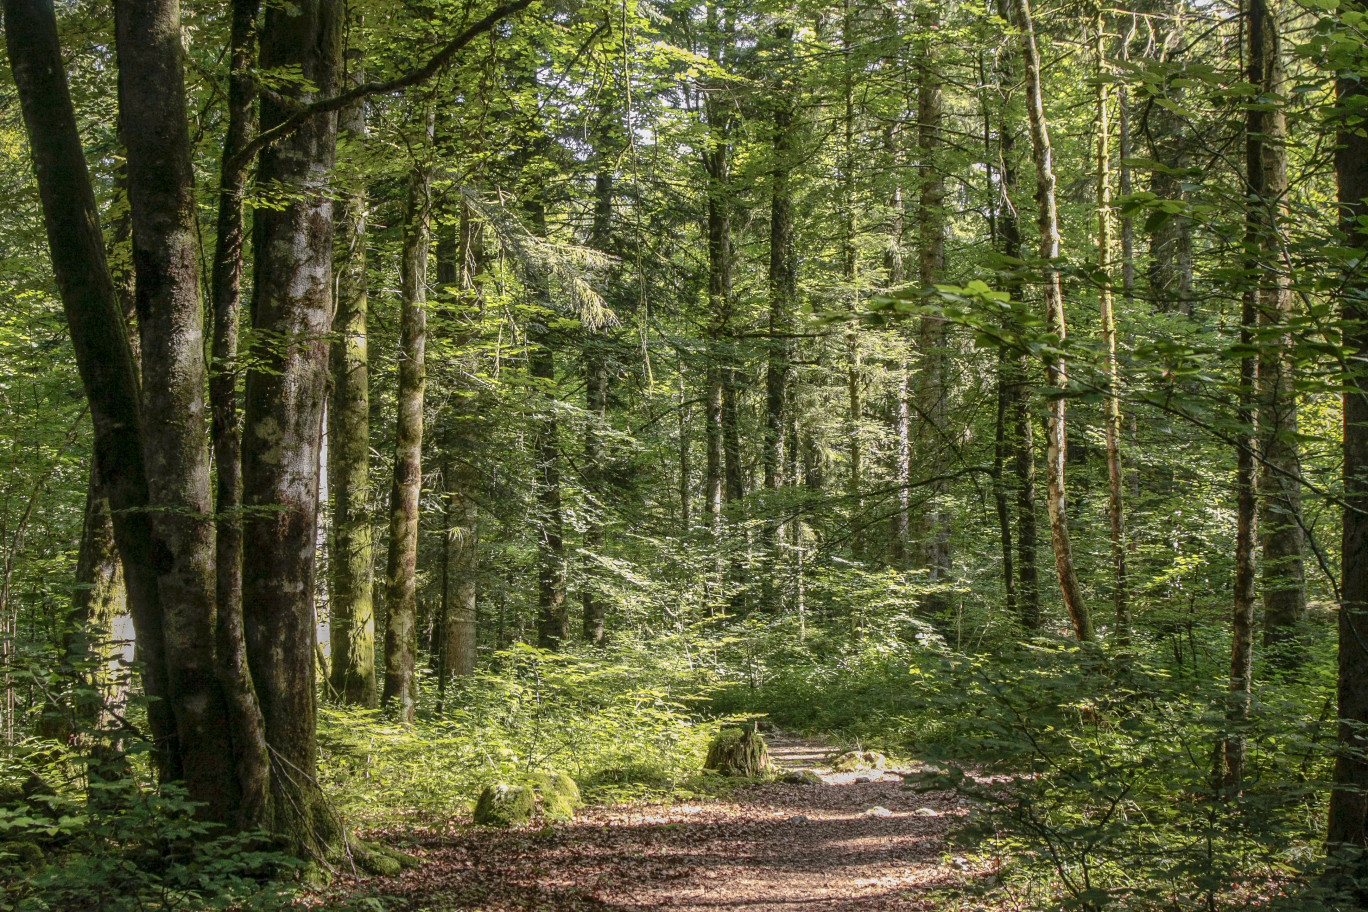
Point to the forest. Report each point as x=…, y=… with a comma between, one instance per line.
x=563, y=455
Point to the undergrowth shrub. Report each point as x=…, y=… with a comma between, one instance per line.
x=623, y=722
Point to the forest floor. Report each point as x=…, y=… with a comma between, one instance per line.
x=858, y=841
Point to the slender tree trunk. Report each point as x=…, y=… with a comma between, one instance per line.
x=350, y=600
x=401, y=589
x=595, y=609
x=553, y=620
x=162, y=206
x=249, y=744
x=1019, y=421
x=1055, y=365
x=1348, y=825
x=849, y=275
x=783, y=289
x=283, y=413
x=1105, y=300
x=685, y=466
x=460, y=257
x=932, y=388
x=1280, y=511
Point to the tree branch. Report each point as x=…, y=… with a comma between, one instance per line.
x=242, y=159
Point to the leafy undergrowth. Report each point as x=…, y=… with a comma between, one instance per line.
x=626, y=724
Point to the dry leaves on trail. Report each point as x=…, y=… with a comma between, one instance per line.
x=798, y=848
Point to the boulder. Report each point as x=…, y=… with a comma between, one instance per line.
x=856, y=761
x=551, y=795
x=801, y=777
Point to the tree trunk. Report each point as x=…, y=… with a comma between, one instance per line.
x=1018, y=418
x=783, y=290
x=553, y=621
x=460, y=257
x=350, y=602
x=249, y=745
x=932, y=380
x=1105, y=301
x=1280, y=511
x=595, y=608
x=99, y=335
x=401, y=589
x=170, y=322
x=1055, y=364
x=283, y=412
x=1348, y=824
x=849, y=271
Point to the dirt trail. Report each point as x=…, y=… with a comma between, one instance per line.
x=772, y=847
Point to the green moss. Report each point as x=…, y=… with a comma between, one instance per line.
x=855, y=761
x=801, y=777
x=739, y=752
x=502, y=804
x=551, y=795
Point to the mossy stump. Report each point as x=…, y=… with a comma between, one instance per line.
x=738, y=752
x=551, y=795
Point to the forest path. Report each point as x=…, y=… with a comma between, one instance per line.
x=857, y=841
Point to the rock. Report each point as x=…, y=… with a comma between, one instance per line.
x=797, y=819
x=552, y=795
x=863, y=780
x=377, y=864
x=801, y=777
x=503, y=804
x=738, y=752
x=927, y=812
x=877, y=811
x=558, y=797
x=855, y=761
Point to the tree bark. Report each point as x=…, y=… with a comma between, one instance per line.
x=170, y=321
x=1055, y=363
x=460, y=257
x=1280, y=511
x=350, y=601
x=1348, y=823
x=401, y=589
x=932, y=389
x=1115, y=506
x=99, y=335
x=783, y=290
x=849, y=271
x=283, y=412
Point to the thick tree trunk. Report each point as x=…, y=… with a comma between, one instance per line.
x=350, y=601
x=1055, y=365
x=932, y=385
x=1348, y=825
x=283, y=414
x=99, y=335
x=783, y=289
x=401, y=589
x=170, y=322
x=1115, y=507
x=1280, y=511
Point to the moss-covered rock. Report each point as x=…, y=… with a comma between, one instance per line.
x=855, y=761
x=551, y=795
x=505, y=804
x=22, y=855
x=738, y=752
x=801, y=777
x=558, y=797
